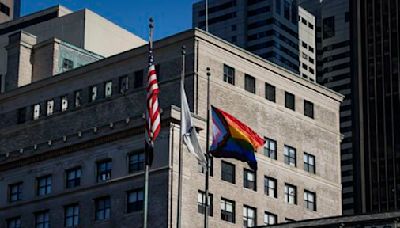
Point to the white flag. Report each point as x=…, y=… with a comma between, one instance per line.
x=189, y=134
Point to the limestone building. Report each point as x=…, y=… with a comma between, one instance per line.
x=72, y=145
x=82, y=29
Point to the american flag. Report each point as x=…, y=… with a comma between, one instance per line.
x=153, y=109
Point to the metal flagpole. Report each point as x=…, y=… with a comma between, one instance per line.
x=207, y=149
x=179, y=213
x=147, y=147
x=206, y=15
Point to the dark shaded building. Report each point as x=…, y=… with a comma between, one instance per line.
x=375, y=40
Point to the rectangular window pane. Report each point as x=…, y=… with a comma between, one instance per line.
x=201, y=203
x=289, y=101
x=249, y=216
x=78, y=98
x=42, y=220
x=270, y=218
x=71, y=216
x=228, y=172
x=250, y=179
x=73, y=177
x=290, y=194
x=138, y=79
x=229, y=75
x=50, y=107
x=309, y=163
x=309, y=200
x=270, y=92
x=36, y=111
x=44, y=185
x=270, y=148
x=14, y=222
x=15, y=192
x=102, y=208
x=92, y=93
x=249, y=83
x=135, y=200
x=107, y=89
x=270, y=187
x=123, y=84
x=228, y=210
x=64, y=103
x=309, y=109
x=104, y=170
x=290, y=155
x=21, y=115
x=136, y=161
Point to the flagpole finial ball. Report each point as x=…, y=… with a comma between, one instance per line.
x=208, y=71
x=151, y=22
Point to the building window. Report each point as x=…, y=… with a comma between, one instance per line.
x=229, y=74
x=64, y=103
x=92, y=93
x=290, y=194
x=249, y=216
x=5, y=9
x=290, y=155
x=136, y=161
x=304, y=44
x=270, y=218
x=309, y=109
x=304, y=21
x=290, y=101
x=21, y=115
x=309, y=163
x=73, y=177
x=123, y=84
x=201, y=203
x=71, y=216
x=44, y=185
x=50, y=107
x=103, y=208
x=15, y=192
x=14, y=222
x=135, y=200
x=108, y=89
x=328, y=27
x=311, y=26
x=104, y=170
x=270, y=92
x=311, y=49
x=67, y=64
x=309, y=200
x=78, y=98
x=228, y=210
x=250, y=179
x=249, y=83
x=270, y=187
x=138, y=79
x=36, y=111
x=228, y=172
x=270, y=148
x=42, y=219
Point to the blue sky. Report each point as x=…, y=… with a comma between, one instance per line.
x=171, y=16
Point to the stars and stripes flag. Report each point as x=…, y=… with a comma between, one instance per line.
x=152, y=107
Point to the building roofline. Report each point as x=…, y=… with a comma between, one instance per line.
x=269, y=65
x=181, y=36
x=58, y=8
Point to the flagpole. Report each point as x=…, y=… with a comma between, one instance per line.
x=147, y=148
x=179, y=213
x=207, y=148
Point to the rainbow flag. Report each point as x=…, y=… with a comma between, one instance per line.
x=233, y=139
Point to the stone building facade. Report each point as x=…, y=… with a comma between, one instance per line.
x=82, y=163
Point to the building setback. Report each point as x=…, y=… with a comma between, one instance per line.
x=72, y=145
x=83, y=29
x=268, y=28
